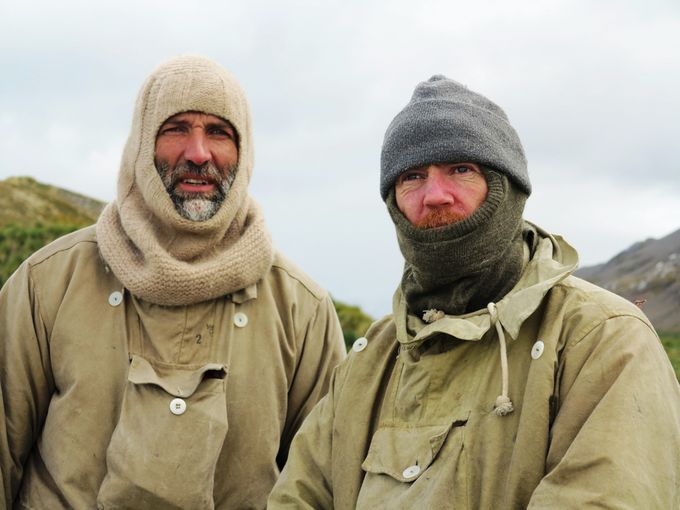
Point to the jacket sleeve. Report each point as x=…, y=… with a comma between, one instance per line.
x=26, y=382
x=305, y=483
x=615, y=441
x=322, y=348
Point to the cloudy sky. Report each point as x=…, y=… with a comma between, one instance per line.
x=591, y=87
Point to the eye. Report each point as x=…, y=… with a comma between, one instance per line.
x=411, y=176
x=462, y=169
x=220, y=131
x=171, y=128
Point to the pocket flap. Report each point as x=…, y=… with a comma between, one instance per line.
x=404, y=452
x=177, y=380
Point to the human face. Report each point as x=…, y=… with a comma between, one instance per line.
x=436, y=195
x=196, y=157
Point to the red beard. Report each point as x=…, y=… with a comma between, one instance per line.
x=440, y=218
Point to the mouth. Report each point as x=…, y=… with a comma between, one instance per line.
x=195, y=184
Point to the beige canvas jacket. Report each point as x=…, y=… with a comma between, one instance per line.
x=409, y=422
x=112, y=402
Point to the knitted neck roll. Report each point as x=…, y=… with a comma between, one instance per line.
x=157, y=254
x=460, y=268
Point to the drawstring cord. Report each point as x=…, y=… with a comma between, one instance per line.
x=503, y=402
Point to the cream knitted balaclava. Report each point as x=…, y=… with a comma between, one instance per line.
x=157, y=254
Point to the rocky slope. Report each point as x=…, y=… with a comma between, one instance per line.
x=647, y=273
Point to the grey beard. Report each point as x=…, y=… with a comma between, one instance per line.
x=196, y=208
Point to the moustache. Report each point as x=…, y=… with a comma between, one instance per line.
x=440, y=218
x=207, y=172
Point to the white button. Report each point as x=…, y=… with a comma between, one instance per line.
x=359, y=344
x=115, y=298
x=537, y=349
x=240, y=319
x=411, y=471
x=178, y=406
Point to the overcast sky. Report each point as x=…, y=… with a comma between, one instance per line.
x=591, y=87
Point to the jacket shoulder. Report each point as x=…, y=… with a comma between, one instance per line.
x=381, y=341
x=382, y=330
x=80, y=240
x=289, y=274
x=608, y=303
x=586, y=306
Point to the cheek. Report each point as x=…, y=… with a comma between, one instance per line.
x=409, y=205
x=167, y=152
x=400, y=199
x=481, y=194
x=225, y=155
x=472, y=196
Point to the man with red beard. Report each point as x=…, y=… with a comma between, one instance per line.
x=500, y=380
x=165, y=357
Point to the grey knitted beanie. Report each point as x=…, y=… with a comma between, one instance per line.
x=445, y=122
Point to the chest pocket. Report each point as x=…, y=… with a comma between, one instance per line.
x=415, y=467
x=169, y=435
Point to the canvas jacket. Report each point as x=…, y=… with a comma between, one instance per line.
x=409, y=422
x=111, y=402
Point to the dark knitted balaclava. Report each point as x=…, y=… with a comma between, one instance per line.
x=458, y=268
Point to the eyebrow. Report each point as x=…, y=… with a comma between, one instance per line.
x=176, y=119
x=221, y=123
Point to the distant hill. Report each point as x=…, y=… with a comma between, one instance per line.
x=32, y=214
x=25, y=202
x=648, y=273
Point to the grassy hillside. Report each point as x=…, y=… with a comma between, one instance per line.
x=671, y=342
x=17, y=243
x=33, y=214
x=25, y=202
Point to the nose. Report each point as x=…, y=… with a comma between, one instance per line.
x=437, y=192
x=197, y=150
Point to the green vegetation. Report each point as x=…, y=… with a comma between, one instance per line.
x=353, y=320
x=17, y=243
x=671, y=342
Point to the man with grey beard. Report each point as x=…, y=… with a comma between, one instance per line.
x=165, y=357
